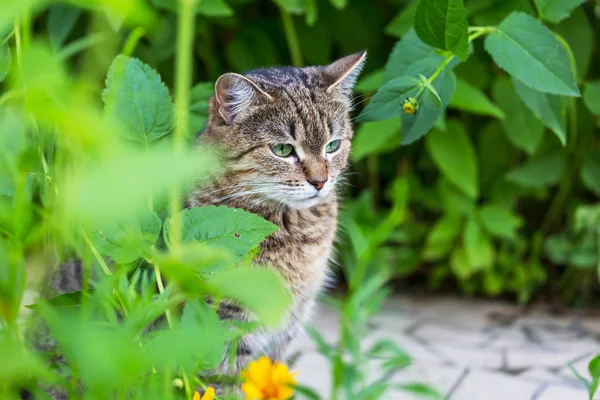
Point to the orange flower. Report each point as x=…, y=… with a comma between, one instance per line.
x=265, y=380
x=208, y=395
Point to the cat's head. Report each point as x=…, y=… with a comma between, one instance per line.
x=286, y=131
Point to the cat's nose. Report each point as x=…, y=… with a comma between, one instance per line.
x=318, y=183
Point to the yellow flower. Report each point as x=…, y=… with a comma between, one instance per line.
x=410, y=106
x=265, y=380
x=208, y=395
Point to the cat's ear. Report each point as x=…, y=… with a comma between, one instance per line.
x=234, y=93
x=342, y=74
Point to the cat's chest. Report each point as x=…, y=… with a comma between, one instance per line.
x=301, y=248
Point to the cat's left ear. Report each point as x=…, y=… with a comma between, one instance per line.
x=342, y=74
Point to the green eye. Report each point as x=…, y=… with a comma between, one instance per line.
x=333, y=146
x=282, y=150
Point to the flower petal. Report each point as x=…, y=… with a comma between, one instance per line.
x=281, y=375
x=196, y=396
x=252, y=391
x=259, y=372
x=209, y=394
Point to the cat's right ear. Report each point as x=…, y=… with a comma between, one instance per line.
x=234, y=93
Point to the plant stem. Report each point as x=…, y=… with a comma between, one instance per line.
x=161, y=289
x=96, y=253
x=291, y=37
x=132, y=40
x=183, y=68
x=439, y=69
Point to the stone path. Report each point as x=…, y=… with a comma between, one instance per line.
x=471, y=349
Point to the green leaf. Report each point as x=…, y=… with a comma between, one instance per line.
x=539, y=172
x=590, y=173
x=417, y=125
x=422, y=390
x=61, y=21
x=453, y=153
x=469, y=98
x=479, y=250
x=291, y=6
x=214, y=8
x=443, y=24
x=312, y=12
x=261, y=289
x=442, y=237
x=522, y=128
x=499, y=221
x=454, y=199
x=403, y=21
x=370, y=82
x=126, y=241
x=137, y=97
x=432, y=95
x=527, y=50
x=591, y=97
x=5, y=61
x=387, y=102
x=232, y=229
x=408, y=51
x=550, y=109
x=556, y=10
x=339, y=4
x=376, y=138
x=460, y=265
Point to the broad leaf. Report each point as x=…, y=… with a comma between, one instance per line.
x=499, y=221
x=291, y=6
x=416, y=126
x=231, y=229
x=261, y=289
x=370, y=82
x=469, y=98
x=443, y=24
x=590, y=173
x=375, y=138
x=530, y=52
x=556, y=10
x=550, y=109
x=408, y=51
x=539, y=172
x=522, y=128
x=479, y=250
x=5, y=61
x=591, y=97
x=126, y=241
x=339, y=4
x=137, y=97
x=387, y=102
x=61, y=20
x=403, y=21
x=441, y=237
x=453, y=153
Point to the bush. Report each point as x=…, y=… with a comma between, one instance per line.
x=498, y=196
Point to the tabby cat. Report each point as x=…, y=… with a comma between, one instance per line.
x=285, y=134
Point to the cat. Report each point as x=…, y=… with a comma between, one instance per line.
x=285, y=134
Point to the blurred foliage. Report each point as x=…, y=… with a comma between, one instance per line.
x=499, y=198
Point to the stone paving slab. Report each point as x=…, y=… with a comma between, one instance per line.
x=470, y=349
